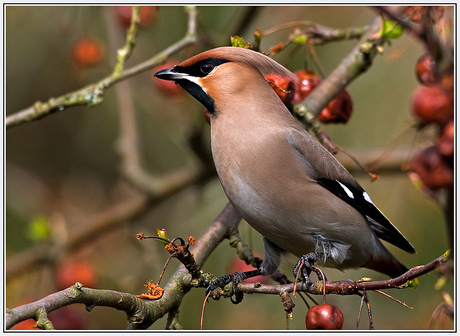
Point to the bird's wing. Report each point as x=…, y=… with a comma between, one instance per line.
x=330, y=174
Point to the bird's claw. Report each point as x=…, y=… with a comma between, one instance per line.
x=235, y=278
x=306, y=264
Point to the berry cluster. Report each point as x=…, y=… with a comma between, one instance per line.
x=338, y=110
x=433, y=104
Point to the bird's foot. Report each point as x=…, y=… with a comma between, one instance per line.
x=306, y=264
x=236, y=278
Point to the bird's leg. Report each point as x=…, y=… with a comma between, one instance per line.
x=305, y=264
x=236, y=278
x=268, y=266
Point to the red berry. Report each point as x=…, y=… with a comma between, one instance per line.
x=70, y=272
x=431, y=104
x=447, y=83
x=29, y=324
x=307, y=81
x=325, y=317
x=146, y=15
x=87, y=52
x=424, y=69
x=434, y=170
x=167, y=87
x=339, y=110
x=283, y=87
x=445, y=143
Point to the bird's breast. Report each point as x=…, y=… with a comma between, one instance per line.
x=257, y=174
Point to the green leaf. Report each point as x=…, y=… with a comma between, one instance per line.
x=257, y=36
x=391, y=30
x=39, y=229
x=300, y=39
x=412, y=283
x=164, y=235
x=238, y=41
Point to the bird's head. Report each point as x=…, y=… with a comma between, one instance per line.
x=219, y=74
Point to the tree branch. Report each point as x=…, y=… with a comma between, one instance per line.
x=346, y=287
x=77, y=294
x=141, y=314
x=93, y=94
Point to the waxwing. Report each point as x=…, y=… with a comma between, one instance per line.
x=283, y=182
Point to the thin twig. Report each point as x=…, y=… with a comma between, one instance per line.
x=369, y=312
x=164, y=269
x=394, y=299
x=202, y=310
x=359, y=312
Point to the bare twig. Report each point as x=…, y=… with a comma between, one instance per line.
x=392, y=298
x=319, y=34
x=369, y=312
x=202, y=310
x=360, y=310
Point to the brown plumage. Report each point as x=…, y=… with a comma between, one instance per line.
x=280, y=179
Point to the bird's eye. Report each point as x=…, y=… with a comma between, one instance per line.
x=206, y=67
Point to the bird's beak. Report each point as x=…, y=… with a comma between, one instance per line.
x=170, y=74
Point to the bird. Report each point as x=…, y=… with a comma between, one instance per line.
x=278, y=177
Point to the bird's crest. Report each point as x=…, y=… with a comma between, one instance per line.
x=246, y=56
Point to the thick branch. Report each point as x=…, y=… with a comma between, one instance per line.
x=181, y=282
x=77, y=294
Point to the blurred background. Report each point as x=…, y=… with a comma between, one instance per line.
x=63, y=171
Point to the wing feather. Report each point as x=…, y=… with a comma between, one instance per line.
x=334, y=177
